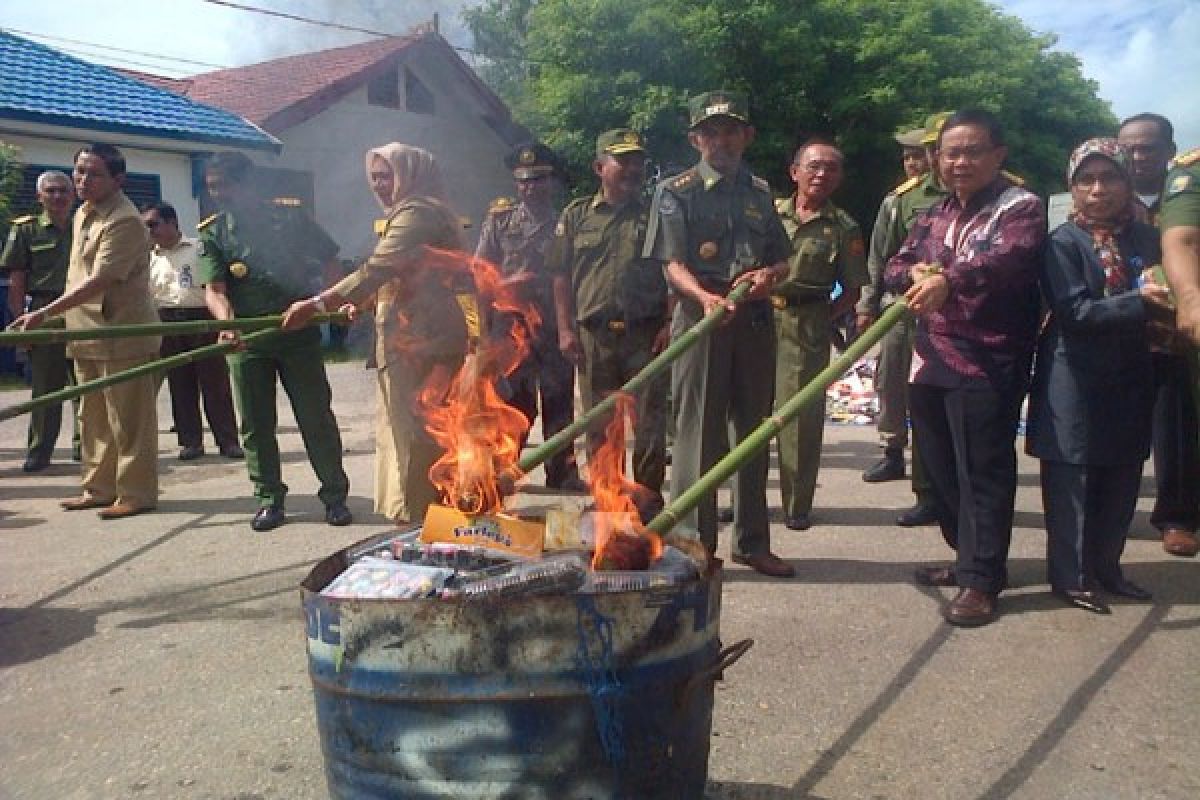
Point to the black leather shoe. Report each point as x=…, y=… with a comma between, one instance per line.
x=935, y=576
x=1082, y=598
x=920, y=514
x=233, y=451
x=725, y=516
x=35, y=463
x=268, y=518
x=191, y=452
x=1123, y=588
x=800, y=522
x=888, y=468
x=338, y=515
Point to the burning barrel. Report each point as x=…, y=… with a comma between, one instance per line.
x=562, y=696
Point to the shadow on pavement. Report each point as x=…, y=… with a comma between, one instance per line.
x=29, y=634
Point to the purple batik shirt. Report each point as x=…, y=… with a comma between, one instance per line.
x=990, y=252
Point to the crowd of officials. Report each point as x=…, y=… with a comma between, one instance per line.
x=1078, y=320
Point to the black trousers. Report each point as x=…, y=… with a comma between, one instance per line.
x=966, y=439
x=1176, y=445
x=1088, y=511
x=547, y=375
x=207, y=379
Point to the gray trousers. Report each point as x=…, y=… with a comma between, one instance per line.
x=726, y=381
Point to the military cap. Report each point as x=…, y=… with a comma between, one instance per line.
x=618, y=141
x=933, y=126
x=531, y=160
x=911, y=138
x=719, y=103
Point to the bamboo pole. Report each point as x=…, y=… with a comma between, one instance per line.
x=150, y=367
x=245, y=324
x=761, y=436
x=563, y=438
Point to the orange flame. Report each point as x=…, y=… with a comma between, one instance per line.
x=622, y=542
x=479, y=433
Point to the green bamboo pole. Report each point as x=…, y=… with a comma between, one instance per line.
x=761, y=436
x=563, y=438
x=59, y=335
x=161, y=364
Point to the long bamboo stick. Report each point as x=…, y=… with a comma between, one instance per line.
x=563, y=438
x=150, y=367
x=761, y=436
x=245, y=324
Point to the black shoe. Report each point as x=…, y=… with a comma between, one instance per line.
x=920, y=514
x=725, y=516
x=338, y=515
x=1082, y=598
x=233, y=451
x=191, y=452
x=35, y=463
x=799, y=522
x=888, y=468
x=268, y=518
x=1123, y=588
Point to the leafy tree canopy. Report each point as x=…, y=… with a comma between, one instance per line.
x=852, y=70
x=10, y=178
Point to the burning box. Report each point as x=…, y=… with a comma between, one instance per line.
x=521, y=537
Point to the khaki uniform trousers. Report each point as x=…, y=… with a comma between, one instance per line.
x=118, y=429
x=803, y=336
x=404, y=452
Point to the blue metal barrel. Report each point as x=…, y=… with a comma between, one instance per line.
x=570, y=697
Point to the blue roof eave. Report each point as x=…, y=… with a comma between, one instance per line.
x=264, y=141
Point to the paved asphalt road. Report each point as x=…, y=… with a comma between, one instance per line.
x=163, y=656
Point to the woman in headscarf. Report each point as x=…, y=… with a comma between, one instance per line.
x=1092, y=393
x=420, y=327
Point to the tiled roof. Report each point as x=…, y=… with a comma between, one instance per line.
x=280, y=93
x=44, y=85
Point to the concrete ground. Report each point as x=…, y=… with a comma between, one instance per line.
x=163, y=656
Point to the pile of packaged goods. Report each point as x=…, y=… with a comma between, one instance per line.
x=852, y=400
x=404, y=567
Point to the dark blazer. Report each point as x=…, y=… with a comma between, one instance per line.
x=1092, y=392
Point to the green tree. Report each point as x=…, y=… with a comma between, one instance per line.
x=855, y=70
x=10, y=179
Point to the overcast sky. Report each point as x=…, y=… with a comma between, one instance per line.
x=1143, y=53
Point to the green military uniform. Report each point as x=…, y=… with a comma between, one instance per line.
x=719, y=228
x=897, y=213
x=825, y=249
x=1180, y=203
x=268, y=257
x=620, y=307
x=40, y=248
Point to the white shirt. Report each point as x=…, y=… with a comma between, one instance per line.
x=173, y=275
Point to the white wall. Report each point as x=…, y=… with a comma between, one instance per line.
x=333, y=145
x=174, y=169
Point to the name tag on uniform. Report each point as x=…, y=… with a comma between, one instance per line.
x=753, y=212
x=37, y=248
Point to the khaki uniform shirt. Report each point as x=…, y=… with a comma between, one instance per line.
x=1180, y=205
x=719, y=227
x=825, y=249
x=110, y=239
x=267, y=256
x=897, y=213
x=173, y=275
x=414, y=304
x=37, y=246
x=599, y=247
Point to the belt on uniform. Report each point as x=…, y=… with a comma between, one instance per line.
x=781, y=302
x=621, y=325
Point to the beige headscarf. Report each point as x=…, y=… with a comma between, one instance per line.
x=415, y=173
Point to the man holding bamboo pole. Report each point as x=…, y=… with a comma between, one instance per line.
x=108, y=283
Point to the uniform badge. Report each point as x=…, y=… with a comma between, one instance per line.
x=667, y=204
x=238, y=269
x=1179, y=184
x=527, y=156
x=631, y=138
x=708, y=250
x=753, y=213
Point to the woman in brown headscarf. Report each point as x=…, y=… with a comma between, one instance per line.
x=419, y=325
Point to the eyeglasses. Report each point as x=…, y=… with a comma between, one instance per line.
x=814, y=167
x=965, y=153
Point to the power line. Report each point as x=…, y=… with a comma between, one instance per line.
x=114, y=49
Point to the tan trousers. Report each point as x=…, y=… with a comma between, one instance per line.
x=403, y=450
x=118, y=431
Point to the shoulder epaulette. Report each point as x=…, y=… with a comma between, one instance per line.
x=684, y=179
x=760, y=184
x=908, y=185
x=24, y=219
x=783, y=204
x=1012, y=176
x=1186, y=160
x=209, y=220
x=501, y=204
